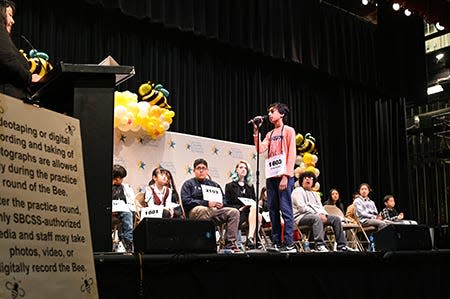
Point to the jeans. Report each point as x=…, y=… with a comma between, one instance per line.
x=126, y=227
x=280, y=201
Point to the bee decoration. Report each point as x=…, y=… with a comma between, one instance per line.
x=154, y=94
x=38, y=62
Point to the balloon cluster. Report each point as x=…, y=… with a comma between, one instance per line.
x=133, y=112
x=307, y=156
x=38, y=62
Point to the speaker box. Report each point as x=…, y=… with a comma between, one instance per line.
x=159, y=235
x=403, y=237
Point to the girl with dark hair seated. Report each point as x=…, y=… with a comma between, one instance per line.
x=161, y=192
x=334, y=200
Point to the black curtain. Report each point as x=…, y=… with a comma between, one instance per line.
x=226, y=61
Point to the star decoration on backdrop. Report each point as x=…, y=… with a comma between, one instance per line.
x=141, y=164
x=140, y=139
x=230, y=152
x=254, y=156
x=172, y=143
x=123, y=138
x=188, y=146
x=189, y=169
x=215, y=150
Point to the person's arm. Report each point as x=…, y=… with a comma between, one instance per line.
x=192, y=197
x=12, y=63
x=291, y=151
x=130, y=196
x=263, y=145
x=385, y=215
x=148, y=195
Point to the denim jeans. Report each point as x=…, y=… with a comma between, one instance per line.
x=126, y=227
x=280, y=201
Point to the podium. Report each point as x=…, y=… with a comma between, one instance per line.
x=86, y=92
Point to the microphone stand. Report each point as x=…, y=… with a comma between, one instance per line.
x=255, y=237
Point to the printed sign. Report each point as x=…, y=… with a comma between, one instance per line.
x=152, y=212
x=119, y=205
x=45, y=239
x=247, y=201
x=211, y=193
x=275, y=166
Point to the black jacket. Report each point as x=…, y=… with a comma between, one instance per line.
x=15, y=77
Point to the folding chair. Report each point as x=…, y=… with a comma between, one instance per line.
x=305, y=234
x=220, y=236
x=139, y=202
x=349, y=228
x=366, y=231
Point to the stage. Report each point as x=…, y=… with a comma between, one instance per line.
x=393, y=274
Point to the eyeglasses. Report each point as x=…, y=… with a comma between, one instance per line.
x=201, y=168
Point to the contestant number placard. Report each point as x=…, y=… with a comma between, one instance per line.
x=211, y=193
x=275, y=166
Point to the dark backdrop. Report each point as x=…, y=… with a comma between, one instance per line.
x=225, y=61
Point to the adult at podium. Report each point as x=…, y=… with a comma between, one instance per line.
x=15, y=77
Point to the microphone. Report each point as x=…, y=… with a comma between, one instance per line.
x=28, y=42
x=257, y=119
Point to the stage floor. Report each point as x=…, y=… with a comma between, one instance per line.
x=399, y=274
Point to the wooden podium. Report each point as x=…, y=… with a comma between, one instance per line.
x=86, y=92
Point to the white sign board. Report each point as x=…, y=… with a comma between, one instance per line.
x=247, y=201
x=211, y=193
x=152, y=212
x=45, y=241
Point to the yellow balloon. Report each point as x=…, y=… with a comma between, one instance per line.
x=307, y=158
x=310, y=169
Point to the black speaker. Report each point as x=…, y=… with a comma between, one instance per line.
x=159, y=235
x=403, y=237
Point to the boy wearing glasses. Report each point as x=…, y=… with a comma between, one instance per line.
x=204, y=199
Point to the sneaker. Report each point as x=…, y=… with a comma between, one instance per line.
x=346, y=249
x=321, y=248
x=231, y=248
x=252, y=245
x=274, y=248
x=288, y=249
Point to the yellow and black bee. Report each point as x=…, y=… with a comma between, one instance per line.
x=154, y=94
x=307, y=144
x=38, y=62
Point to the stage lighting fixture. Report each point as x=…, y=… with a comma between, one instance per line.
x=395, y=6
x=439, y=26
x=434, y=89
x=365, y=2
x=407, y=12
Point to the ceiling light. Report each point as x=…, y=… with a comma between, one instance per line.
x=395, y=6
x=434, y=89
x=365, y=2
x=439, y=26
x=439, y=56
x=407, y=12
